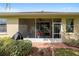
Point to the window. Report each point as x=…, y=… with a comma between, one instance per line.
x=69, y=25
x=3, y=25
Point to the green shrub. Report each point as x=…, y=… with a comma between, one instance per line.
x=3, y=42
x=77, y=43
x=11, y=47
x=72, y=42
x=19, y=48
x=1, y=47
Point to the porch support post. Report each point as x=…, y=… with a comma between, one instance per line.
x=35, y=27
x=52, y=28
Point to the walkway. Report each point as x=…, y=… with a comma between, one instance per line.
x=52, y=45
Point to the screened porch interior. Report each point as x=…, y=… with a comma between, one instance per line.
x=40, y=27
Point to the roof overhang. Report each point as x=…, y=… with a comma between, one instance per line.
x=37, y=13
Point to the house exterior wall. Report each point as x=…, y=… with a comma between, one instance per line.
x=71, y=35
x=13, y=24
x=12, y=27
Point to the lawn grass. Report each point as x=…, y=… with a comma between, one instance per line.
x=66, y=52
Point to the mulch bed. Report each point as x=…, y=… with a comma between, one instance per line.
x=41, y=51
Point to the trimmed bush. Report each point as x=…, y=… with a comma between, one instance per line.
x=11, y=47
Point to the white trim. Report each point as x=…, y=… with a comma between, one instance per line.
x=3, y=33
x=44, y=40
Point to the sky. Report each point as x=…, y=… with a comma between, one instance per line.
x=30, y=7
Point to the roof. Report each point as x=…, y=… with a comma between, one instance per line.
x=37, y=13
